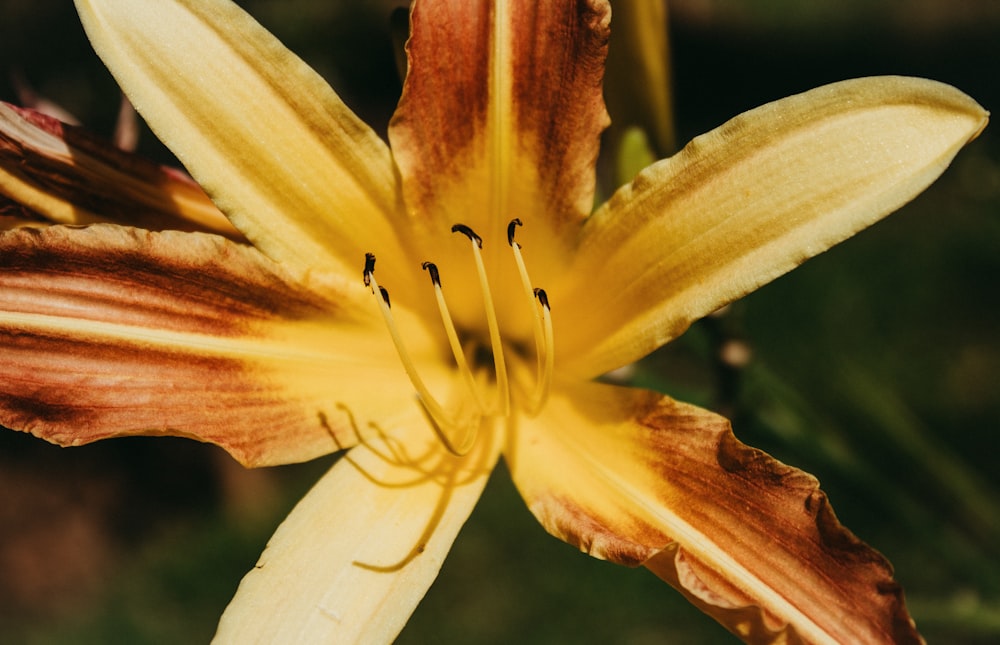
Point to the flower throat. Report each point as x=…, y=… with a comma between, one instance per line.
x=458, y=432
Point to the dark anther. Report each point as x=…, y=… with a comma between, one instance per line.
x=431, y=268
x=543, y=298
x=385, y=296
x=514, y=223
x=467, y=232
x=369, y=268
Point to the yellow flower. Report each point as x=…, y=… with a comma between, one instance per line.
x=287, y=348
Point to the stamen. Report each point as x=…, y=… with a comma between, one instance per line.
x=545, y=379
x=511, y=227
x=542, y=326
x=543, y=298
x=469, y=233
x=442, y=424
x=449, y=326
x=432, y=269
x=496, y=343
x=369, y=268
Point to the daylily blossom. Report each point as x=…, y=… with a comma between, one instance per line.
x=327, y=331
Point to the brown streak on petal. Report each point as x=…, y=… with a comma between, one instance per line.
x=171, y=280
x=559, y=53
x=108, y=331
x=73, y=393
x=759, y=498
x=442, y=111
x=628, y=474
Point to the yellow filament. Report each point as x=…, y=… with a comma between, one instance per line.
x=441, y=423
x=456, y=347
x=542, y=327
x=496, y=343
x=545, y=378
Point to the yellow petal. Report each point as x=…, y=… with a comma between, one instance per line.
x=638, y=478
x=746, y=203
x=293, y=168
x=66, y=176
x=109, y=331
x=500, y=118
x=353, y=559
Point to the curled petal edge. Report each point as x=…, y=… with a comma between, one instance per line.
x=646, y=480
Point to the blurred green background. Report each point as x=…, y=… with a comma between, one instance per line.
x=875, y=366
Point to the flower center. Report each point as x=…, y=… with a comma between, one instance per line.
x=458, y=432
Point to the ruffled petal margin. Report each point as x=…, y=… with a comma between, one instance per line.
x=639, y=479
x=108, y=331
x=748, y=202
x=60, y=174
x=358, y=553
x=295, y=170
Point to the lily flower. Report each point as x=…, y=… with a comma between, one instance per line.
x=433, y=306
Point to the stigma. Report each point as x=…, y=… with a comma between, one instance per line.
x=487, y=382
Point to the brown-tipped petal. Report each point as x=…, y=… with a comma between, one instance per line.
x=499, y=118
x=67, y=176
x=638, y=478
x=748, y=202
x=108, y=331
x=353, y=559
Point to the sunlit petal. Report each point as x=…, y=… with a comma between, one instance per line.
x=294, y=169
x=357, y=554
x=110, y=331
x=748, y=202
x=638, y=478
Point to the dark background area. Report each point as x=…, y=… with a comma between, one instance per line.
x=874, y=366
